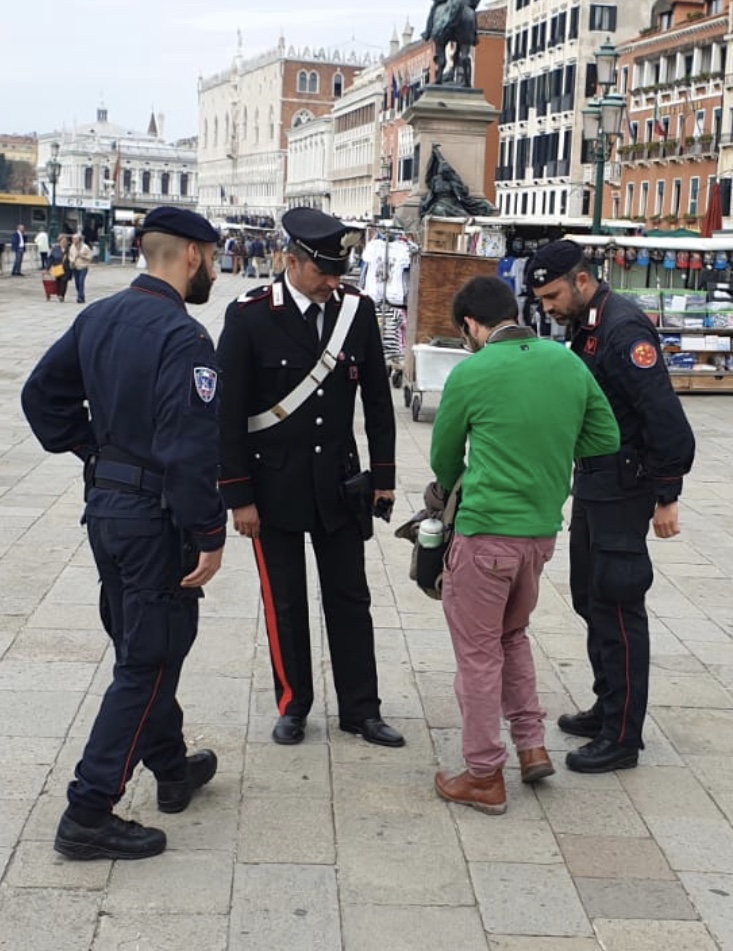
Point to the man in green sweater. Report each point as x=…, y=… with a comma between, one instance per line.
x=527, y=408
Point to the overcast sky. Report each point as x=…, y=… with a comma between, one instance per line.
x=60, y=59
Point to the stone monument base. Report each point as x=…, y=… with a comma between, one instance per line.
x=454, y=118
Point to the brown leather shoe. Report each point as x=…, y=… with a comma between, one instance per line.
x=486, y=793
x=535, y=764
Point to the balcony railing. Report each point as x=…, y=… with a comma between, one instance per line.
x=671, y=150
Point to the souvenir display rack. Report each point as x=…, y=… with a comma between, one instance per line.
x=685, y=287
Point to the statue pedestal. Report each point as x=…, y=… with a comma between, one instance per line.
x=455, y=118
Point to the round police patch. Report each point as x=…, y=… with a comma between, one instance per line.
x=643, y=354
x=205, y=382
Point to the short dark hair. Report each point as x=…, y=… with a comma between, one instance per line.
x=584, y=266
x=489, y=300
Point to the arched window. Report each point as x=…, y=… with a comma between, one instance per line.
x=206, y=133
x=313, y=82
x=338, y=86
x=184, y=185
x=88, y=179
x=271, y=123
x=216, y=131
x=165, y=182
x=302, y=81
x=226, y=130
x=146, y=183
x=127, y=180
x=244, y=123
x=257, y=126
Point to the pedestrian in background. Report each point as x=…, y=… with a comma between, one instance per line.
x=288, y=466
x=614, y=498
x=80, y=257
x=520, y=457
x=17, y=244
x=43, y=247
x=58, y=265
x=143, y=418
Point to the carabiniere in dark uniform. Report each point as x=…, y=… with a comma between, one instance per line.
x=130, y=388
x=615, y=497
x=294, y=472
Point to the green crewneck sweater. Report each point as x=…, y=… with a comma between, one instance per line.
x=527, y=408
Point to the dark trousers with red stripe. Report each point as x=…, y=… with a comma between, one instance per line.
x=346, y=601
x=610, y=573
x=152, y=623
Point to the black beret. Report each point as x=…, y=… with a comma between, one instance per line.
x=325, y=239
x=552, y=261
x=180, y=222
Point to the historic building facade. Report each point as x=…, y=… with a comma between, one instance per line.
x=356, y=167
x=549, y=74
x=674, y=76
x=245, y=114
x=106, y=166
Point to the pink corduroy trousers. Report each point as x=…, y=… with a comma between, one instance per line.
x=490, y=588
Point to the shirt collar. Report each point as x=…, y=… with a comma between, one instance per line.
x=301, y=301
x=154, y=285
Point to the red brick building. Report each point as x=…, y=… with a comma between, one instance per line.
x=673, y=78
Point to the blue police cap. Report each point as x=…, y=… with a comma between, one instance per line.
x=181, y=223
x=325, y=239
x=552, y=261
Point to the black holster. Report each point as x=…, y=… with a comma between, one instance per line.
x=358, y=493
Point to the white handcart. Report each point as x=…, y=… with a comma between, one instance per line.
x=431, y=364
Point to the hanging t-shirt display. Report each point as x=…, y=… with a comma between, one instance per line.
x=398, y=261
x=374, y=278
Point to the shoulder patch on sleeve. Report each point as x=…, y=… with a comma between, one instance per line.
x=643, y=354
x=205, y=380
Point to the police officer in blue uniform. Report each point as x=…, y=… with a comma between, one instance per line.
x=288, y=466
x=132, y=389
x=615, y=498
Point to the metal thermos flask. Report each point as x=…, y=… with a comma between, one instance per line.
x=430, y=533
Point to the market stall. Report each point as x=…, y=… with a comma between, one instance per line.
x=685, y=287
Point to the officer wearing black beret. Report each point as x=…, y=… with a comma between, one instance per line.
x=615, y=497
x=132, y=390
x=292, y=360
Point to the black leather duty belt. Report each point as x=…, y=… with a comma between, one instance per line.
x=597, y=463
x=109, y=474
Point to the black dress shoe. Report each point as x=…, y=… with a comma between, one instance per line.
x=375, y=730
x=586, y=723
x=114, y=838
x=174, y=796
x=602, y=756
x=289, y=730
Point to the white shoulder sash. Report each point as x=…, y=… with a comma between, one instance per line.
x=327, y=361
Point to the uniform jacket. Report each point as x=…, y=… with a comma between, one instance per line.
x=137, y=358
x=621, y=348
x=294, y=469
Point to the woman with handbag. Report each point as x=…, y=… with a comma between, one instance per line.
x=58, y=265
x=80, y=257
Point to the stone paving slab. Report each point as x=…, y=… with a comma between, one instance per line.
x=336, y=845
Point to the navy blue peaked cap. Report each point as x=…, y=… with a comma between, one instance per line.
x=180, y=222
x=325, y=239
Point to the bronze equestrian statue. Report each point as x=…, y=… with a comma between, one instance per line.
x=452, y=21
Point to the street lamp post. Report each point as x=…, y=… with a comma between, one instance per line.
x=53, y=170
x=602, y=119
x=384, y=188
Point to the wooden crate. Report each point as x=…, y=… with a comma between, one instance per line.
x=435, y=279
x=443, y=236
